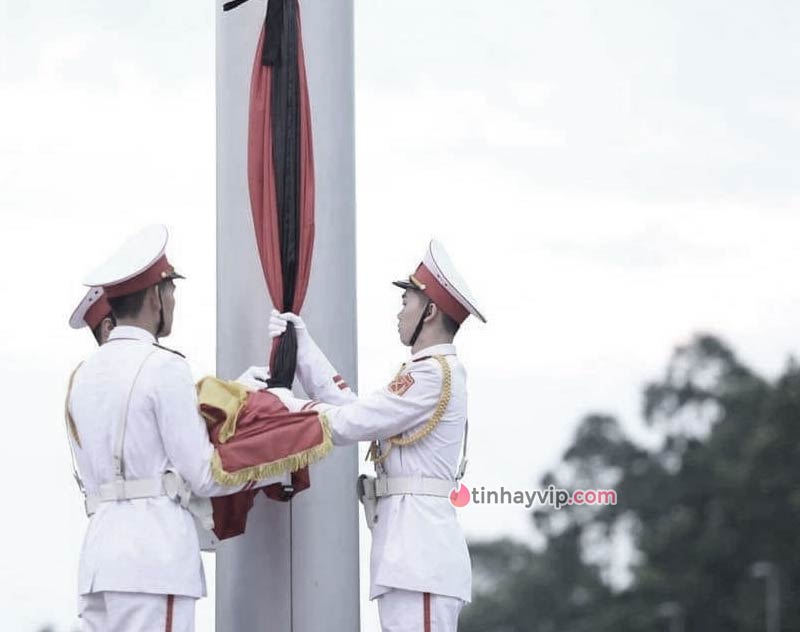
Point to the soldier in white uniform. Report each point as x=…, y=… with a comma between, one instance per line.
x=143, y=452
x=94, y=312
x=420, y=566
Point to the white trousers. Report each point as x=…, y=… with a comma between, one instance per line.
x=136, y=612
x=407, y=611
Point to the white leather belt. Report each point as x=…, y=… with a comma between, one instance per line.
x=371, y=488
x=420, y=486
x=170, y=485
x=125, y=490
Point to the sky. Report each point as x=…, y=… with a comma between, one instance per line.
x=609, y=177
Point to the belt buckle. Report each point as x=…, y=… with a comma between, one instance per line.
x=119, y=488
x=381, y=486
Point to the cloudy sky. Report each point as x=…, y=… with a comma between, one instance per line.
x=610, y=177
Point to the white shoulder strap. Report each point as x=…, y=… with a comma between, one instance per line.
x=72, y=432
x=119, y=437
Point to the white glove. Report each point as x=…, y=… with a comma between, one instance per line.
x=288, y=399
x=255, y=377
x=278, y=321
x=312, y=365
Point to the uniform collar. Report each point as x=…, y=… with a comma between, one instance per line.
x=443, y=349
x=128, y=332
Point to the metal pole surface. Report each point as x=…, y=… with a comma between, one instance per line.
x=296, y=567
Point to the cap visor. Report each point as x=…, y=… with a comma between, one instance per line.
x=404, y=284
x=76, y=321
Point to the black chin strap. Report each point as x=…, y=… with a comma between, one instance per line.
x=160, y=312
x=417, y=331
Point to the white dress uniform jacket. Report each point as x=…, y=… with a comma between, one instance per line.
x=146, y=545
x=417, y=542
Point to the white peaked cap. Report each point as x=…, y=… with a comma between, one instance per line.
x=438, y=279
x=138, y=264
x=91, y=311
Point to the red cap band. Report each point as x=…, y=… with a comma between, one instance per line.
x=97, y=312
x=440, y=295
x=160, y=270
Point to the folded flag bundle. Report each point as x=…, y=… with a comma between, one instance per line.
x=255, y=436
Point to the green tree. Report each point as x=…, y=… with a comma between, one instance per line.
x=721, y=492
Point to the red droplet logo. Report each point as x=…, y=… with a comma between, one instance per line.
x=459, y=496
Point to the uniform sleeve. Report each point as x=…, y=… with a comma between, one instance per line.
x=404, y=404
x=320, y=380
x=183, y=430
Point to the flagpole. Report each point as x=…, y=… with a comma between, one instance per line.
x=296, y=567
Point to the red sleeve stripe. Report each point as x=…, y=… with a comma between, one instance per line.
x=308, y=405
x=343, y=385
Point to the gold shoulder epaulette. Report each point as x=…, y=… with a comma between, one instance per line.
x=177, y=353
x=438, y=413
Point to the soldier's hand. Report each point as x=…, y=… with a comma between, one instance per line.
x=255, y=377
x=288, y=399
x=278, y=322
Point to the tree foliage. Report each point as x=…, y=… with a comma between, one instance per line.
x=720, y=493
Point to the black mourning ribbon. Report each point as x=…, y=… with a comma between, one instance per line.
x=280, y=52
x=232, y=5
x=270, y=54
